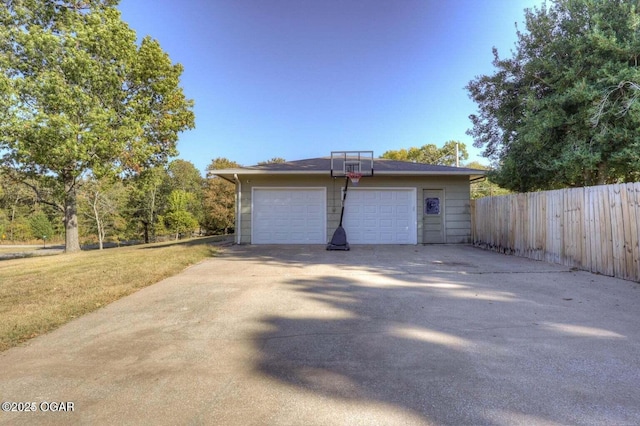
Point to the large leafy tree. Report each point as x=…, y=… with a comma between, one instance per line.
x=432, y=154
x=219, y=198
x=536, y=112
x=184, y=175
x=78, y=95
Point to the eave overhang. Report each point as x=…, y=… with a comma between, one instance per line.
x=229, y=173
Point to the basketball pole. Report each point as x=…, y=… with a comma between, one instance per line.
x=344, y=198
x=348, y=164
x=339, y=239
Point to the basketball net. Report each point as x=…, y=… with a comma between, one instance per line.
x=354, y=177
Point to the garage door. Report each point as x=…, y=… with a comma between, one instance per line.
x=380, y=216
x=289, y=216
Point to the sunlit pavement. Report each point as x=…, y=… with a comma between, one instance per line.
x=377, y=335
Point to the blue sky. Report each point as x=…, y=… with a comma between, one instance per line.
x=300, y=78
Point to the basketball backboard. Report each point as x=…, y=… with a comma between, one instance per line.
x=344, y=162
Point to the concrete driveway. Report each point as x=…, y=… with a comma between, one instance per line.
x=379, y=335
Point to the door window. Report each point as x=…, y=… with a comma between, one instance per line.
x=432, y=206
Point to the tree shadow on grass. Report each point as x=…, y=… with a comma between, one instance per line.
x=212, y=240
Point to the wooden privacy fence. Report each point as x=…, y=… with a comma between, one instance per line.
x=593, y=228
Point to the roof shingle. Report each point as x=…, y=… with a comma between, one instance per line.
x=379, y=164
x=382, y=166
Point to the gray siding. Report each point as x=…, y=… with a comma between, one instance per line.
x=456, y=193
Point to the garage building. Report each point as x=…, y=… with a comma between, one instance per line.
x=299, y=202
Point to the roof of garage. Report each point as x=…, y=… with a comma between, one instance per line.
x=322, y=165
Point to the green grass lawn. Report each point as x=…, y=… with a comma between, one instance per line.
x=39, y=294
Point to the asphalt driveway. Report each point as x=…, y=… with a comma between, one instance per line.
x=378, y=335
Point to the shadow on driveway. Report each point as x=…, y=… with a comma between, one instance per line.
x=455, y=335
x=393, y=335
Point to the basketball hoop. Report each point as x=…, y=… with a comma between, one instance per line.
x=354, y=177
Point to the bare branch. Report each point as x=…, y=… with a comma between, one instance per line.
x=40, y=196
x=620, y=91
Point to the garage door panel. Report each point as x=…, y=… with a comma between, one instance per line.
x=370, y=209
x=281, y=222
x=386, y=209
x=387, y=238
x=289, y=216
x=380, y=216
x=386, y=223
x=297, y=223
x=369, y=223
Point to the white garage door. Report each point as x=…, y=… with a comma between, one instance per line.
x=380, y=216
x=289, y=216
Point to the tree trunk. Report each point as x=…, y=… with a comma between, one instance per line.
x=13, y=216
x=71, y=239
x=96, y=216
x=602, y=173
x=146, y=231
x=151, y=218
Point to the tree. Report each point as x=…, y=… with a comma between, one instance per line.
x=79, y=96
x=183, y=175
x=4, y=225
x=147, y=202
x=219, y=198
x=536, y=112
x=274, y=160
x=21, y=229
x=431, y=154
x=621, y=102
x=41, y=226
x=16, y=200
x=452, y=153
x=485, y=187
x=178, y=219
x=102, y=203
